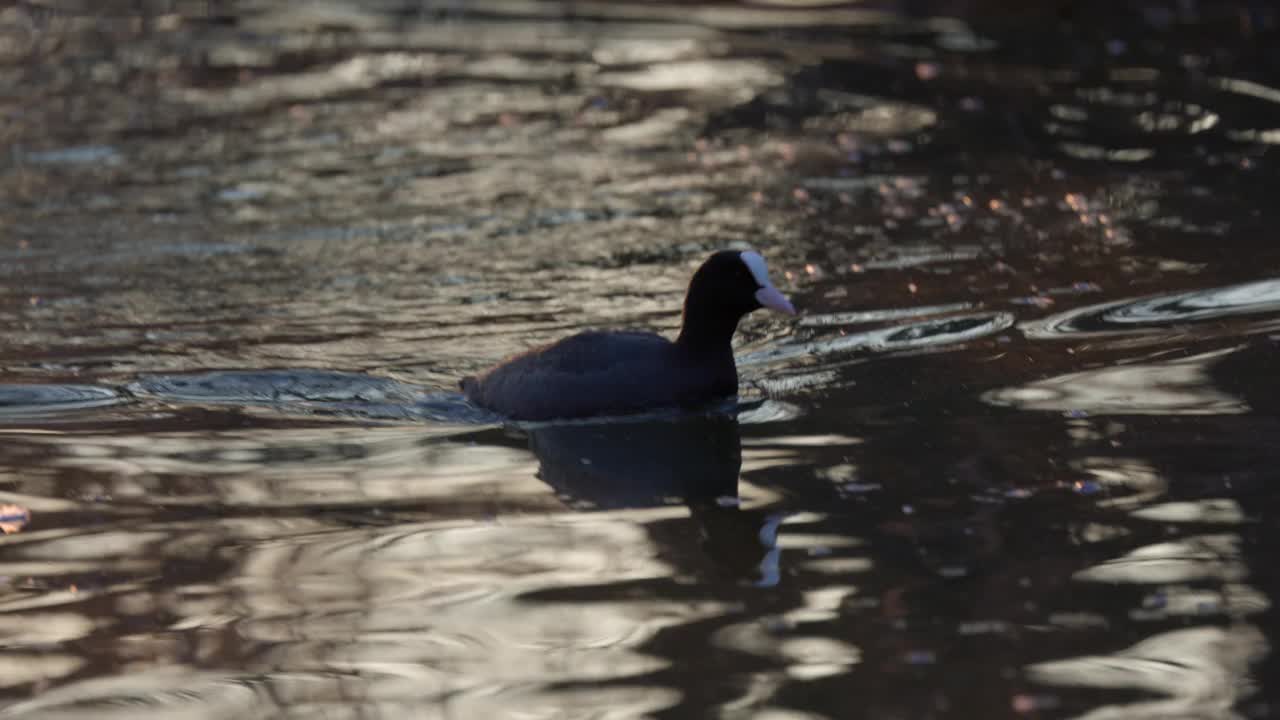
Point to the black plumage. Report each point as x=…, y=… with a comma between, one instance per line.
x=619, y=372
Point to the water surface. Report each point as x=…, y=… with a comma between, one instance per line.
x=1014, y=459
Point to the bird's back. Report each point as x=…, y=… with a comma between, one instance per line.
x=600, y=373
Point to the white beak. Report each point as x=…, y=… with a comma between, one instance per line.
x=769, y=296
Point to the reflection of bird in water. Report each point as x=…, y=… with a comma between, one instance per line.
x=642, y=463
x=692, y=460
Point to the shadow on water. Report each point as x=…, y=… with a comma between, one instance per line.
x=1016, y=459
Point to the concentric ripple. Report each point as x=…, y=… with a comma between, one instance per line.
x=929, y=333
x=315, y=391
x=1160, y=311
x=312, y=391
x=28, y=400
x=367, y=396
x=943, y=331
x=257, y=387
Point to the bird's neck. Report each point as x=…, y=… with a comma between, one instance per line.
x=704, y=331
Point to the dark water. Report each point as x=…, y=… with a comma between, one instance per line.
x=1016, y=459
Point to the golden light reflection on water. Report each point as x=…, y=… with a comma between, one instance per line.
x=1173, y=387
x=1026, y=412
x=325, y=466
x=1199, y=671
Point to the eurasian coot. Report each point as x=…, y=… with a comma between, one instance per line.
x=614, y=373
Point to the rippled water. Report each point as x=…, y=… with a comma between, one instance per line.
x=1014, y=460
